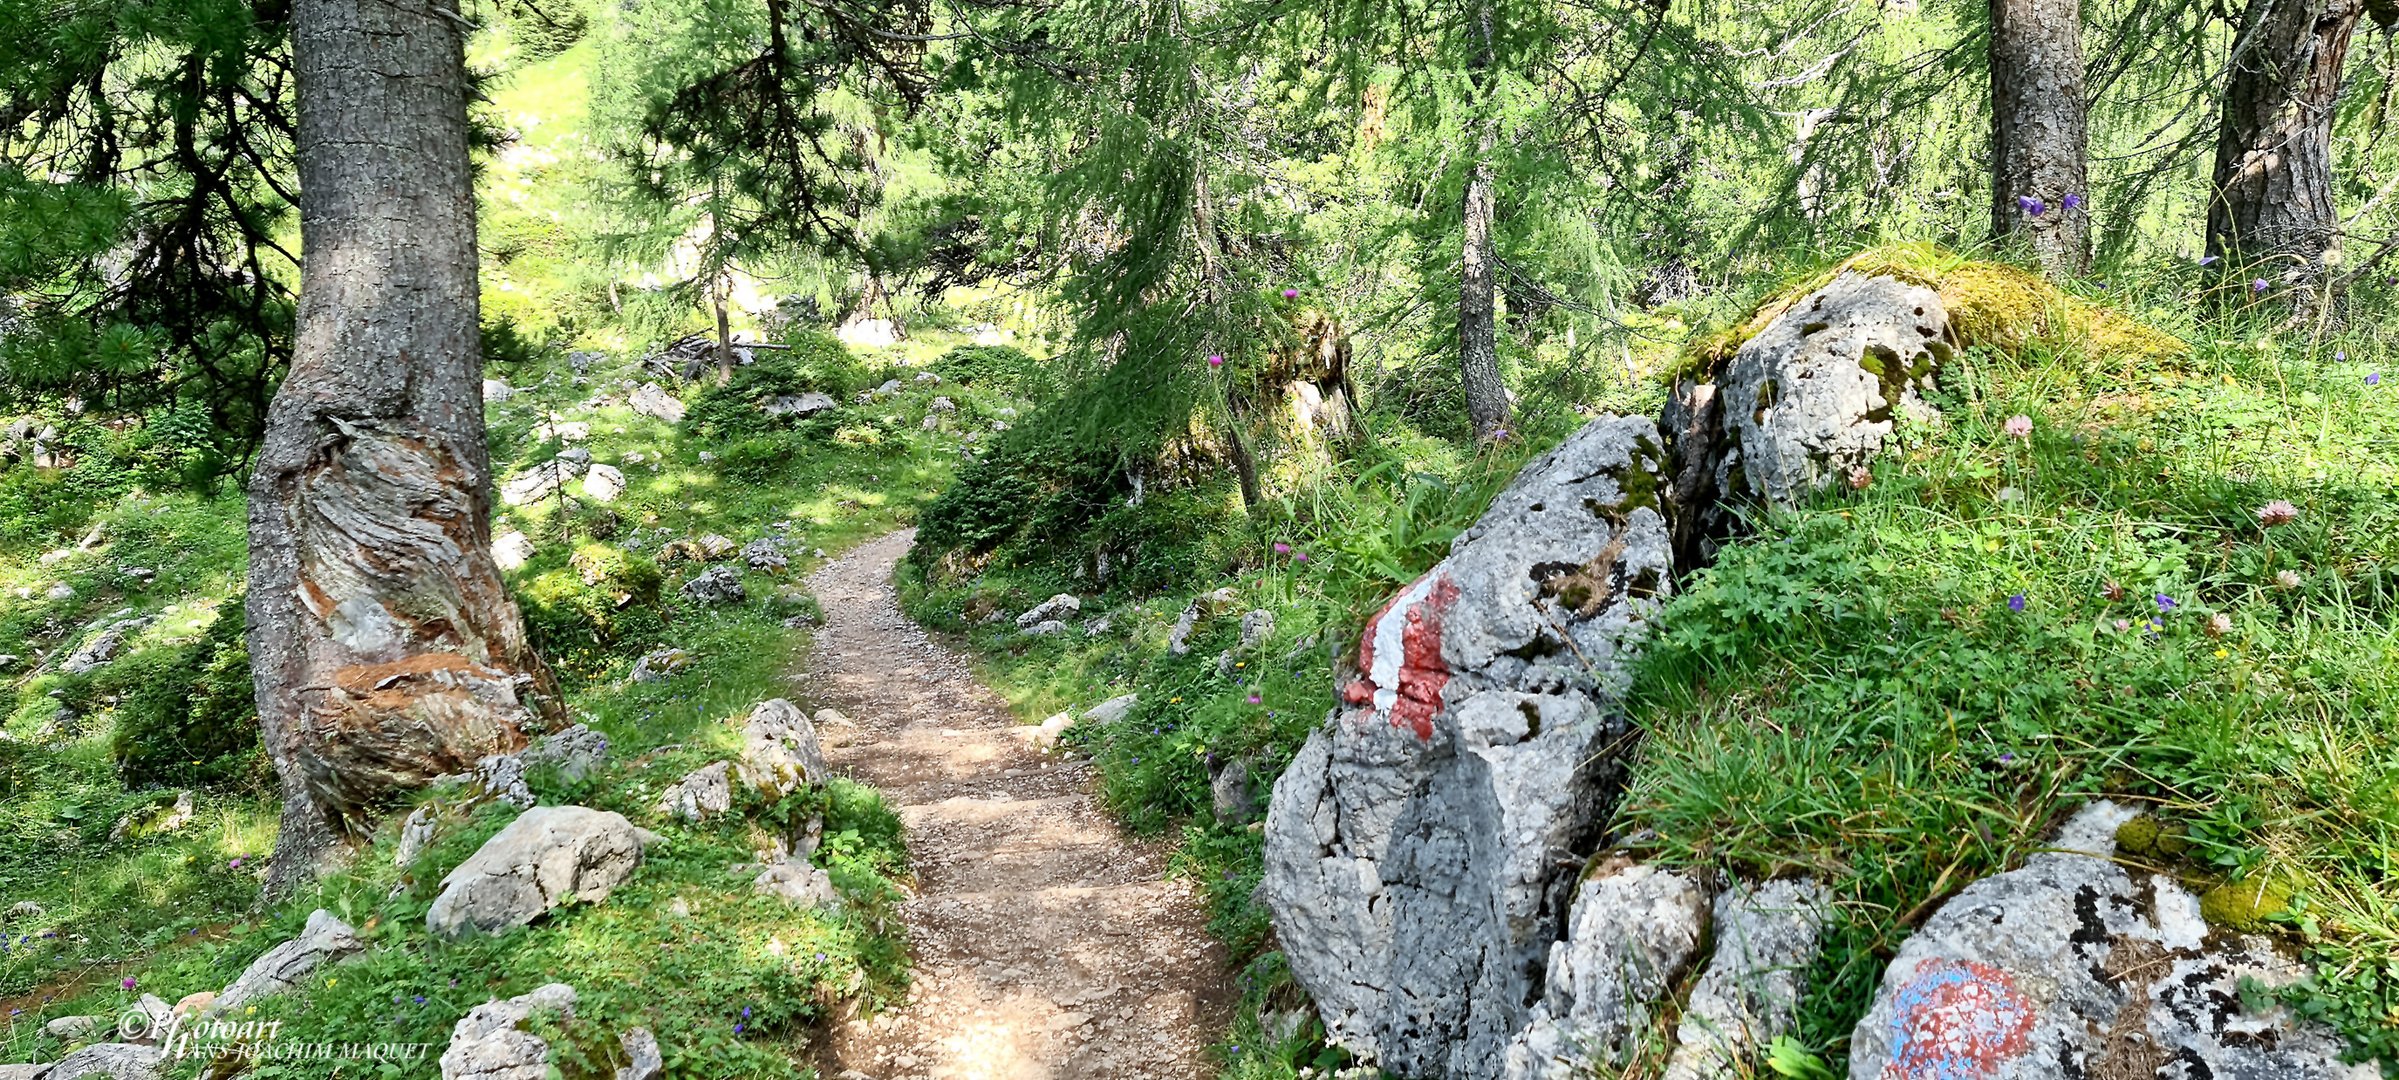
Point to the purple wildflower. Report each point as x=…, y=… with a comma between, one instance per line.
x=1299, y=556
x=2016, y=602
x=2031, y=206
x=2070, y=202
x=1256, y=700
x=737, y=1027
x=2374, y=379
x=1215, y=360
x=1291, y=294
x=1281, y=548
x=2207, y=260
x=128, y=983
x=2165, y=602
x=420, y=999
x=2259, y=286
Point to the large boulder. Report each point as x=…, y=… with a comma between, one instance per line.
x=490, y=1043
x=1807, y=401
x=779, y=750
x=115, y=1061
x=548, y=856
x=650, y=399
x=2073, y=965
x=1420, y=848
x=326, y=939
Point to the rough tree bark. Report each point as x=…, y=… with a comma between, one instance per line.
x=386, y=648
x=2040, y=130
x=1478, y=319
x=2273, y=179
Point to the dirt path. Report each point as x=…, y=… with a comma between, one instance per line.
x=1049, y=946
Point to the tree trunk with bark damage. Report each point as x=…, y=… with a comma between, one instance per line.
x=2040, y=131
x=385, y=647
x=2273, y=179
x=1478, y=316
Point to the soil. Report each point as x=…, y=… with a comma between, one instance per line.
x=1048, y=944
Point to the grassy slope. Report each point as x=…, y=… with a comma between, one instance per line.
x=1851, y=694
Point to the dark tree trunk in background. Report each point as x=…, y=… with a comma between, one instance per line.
x=386, y=648
x=1478, y=318
x=718, y=291
x=2273, y=181
x=2040, y=131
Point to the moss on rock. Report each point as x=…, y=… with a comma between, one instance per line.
x=2249, y=905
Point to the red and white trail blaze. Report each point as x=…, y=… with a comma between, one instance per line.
x=1399, y=658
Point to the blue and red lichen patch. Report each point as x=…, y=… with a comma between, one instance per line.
x=1400, y=670
x=1957, y=1020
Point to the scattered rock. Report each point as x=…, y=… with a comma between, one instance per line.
x=714, y=546
x=649, y=399
x=660, y=664
x=325, y=940
x=1256, y=627
x=26, y=909
x=800, y=405
x=117, y=1061
x=548, y=856
x=503, y=778
x=564, y=431
x=764, y=553
x=943, y=405
x=1178, y=640
x=1421, y=845
x=575, y=752
x=495, y=391
x=2073, y=964
x=715, y=586
x=1112, y=710
x=74, y=1028
x=779, y=750
x=489, y=1042
x=415, y=834
x=798, y=884
x=540, y=482
x=603, y=483
x=1230, y=790
x=644, y=1060
x=1632, y=933
x=1046, y=628
x=703, y=793
x=60, y=592
x=1061, y=606
x=1766, y=936
x=156, y=819
x=512, y=550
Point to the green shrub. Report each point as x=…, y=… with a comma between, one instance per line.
x=190, y=716
x=815, y=362
x=581, y=615
x=1004, y=368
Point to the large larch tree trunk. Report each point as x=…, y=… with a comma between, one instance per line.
x=1478, y=316
x=385, y=646
x=2040, y=131
x=2273, y=179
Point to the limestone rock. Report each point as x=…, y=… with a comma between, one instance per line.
x=512, y=550
x=1046, y=628
x=575, y=752
x=658, y=664
x=26, y=909
x=1046, y=734
x=702, y=794
x=1812, y=396
x=2074, y=965
x=1631, y=934
x=1229, y=791
x=74, y=1028
x=548, y=856
x=800, y=405
x=1061, y=606
x=416, y=833
x=24, y=1072
x=326, y=939
x=1420, y=848
x=1178, y=640
x=1766, y=936
x=797, y=883
x=117, y=1061
x=715, y=586
x=1112, y=710
x=541, y=481
x=764, y=553
x=649, y=399
x=503, y=778
x=603, y=483
x=643, y=1059
x=96, y=652
x=489, y=1042
x=779, y=750
x=495, y=391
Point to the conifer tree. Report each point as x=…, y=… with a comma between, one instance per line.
x=2039, y=131
x=2272, y=204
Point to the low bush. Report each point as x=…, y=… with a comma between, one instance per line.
x=192, y=718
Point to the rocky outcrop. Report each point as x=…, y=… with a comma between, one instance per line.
x=2074, y=965
x=115, y=1061
x=1634, y=930
x=1766, y=936
x=702, y=794
x=1808, y=401
x=548, y=856
x=490, y=1043
x=1420, y=848
x=325, y=940
x=715, y=586
x=1057, y=608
